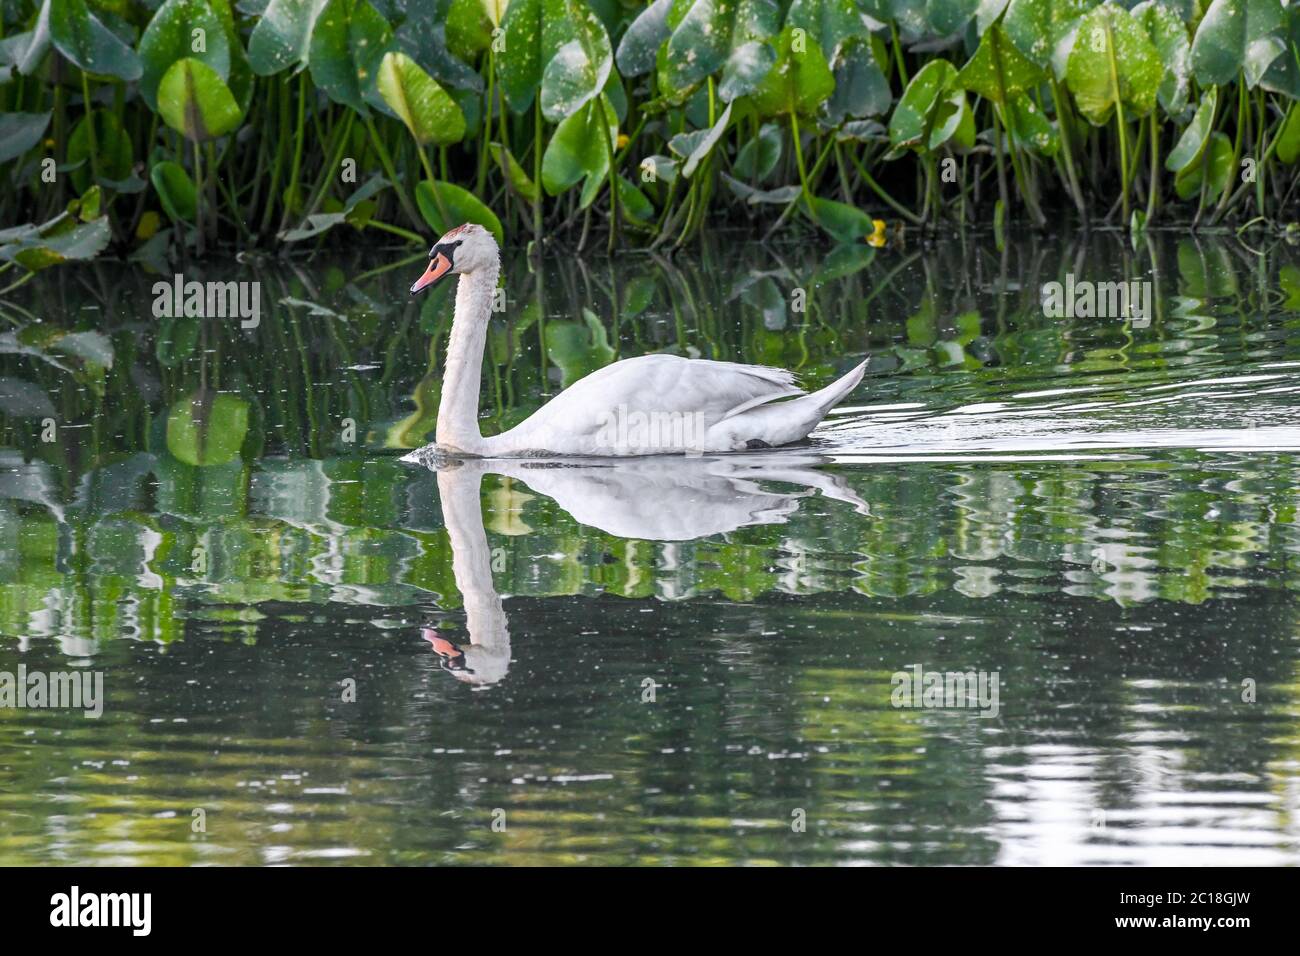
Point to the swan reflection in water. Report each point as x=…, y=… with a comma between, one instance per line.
x=648, y=499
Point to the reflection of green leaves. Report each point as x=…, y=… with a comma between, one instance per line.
x=578, y=348
x=207, y=429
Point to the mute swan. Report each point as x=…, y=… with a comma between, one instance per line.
x=652, y=404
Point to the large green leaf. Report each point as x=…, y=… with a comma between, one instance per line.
x=39, y=249
x=860, y=87
x=1113, y=62
x=577, y=150
x=175, y=190
x=642, y=39
x=830, y=22
x=843, y=222
x=800, y=81
x=445, y=205
x=347, y=46
x=1288, y=137
x=282, y=36
x=19, y=132
x=1283, y=74
x=1191, y=144
x=1168, y=34
x=426, y=108
x=1039, y=27
x=194, y=101
x=1215, y=163
x=580, y=67
x=83, y=39
x=949, y=16
x=708, y=35
x=930, y=110
x=1237, y=35
x=758, y=157
x=171, y=36
x=114, y=154
x=998, y=70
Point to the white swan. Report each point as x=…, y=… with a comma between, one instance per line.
x=653, y=404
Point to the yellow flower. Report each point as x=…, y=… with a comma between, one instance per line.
x=877, y=238
x=623, y=140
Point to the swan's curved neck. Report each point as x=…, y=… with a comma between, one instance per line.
x=458, y=408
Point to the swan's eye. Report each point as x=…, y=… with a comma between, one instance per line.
x=446, y=248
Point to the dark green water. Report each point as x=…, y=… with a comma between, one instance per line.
x=1101, y=514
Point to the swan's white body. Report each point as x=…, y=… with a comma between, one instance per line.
x=654, y=404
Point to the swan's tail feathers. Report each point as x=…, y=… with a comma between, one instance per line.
x=784, y=422
x=830, y=396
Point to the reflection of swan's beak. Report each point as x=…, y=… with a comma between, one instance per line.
x=439, y=266
x=453, y=658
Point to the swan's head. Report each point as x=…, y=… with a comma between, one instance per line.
x=463, y=249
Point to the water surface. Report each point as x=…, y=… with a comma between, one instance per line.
x=1101, y=511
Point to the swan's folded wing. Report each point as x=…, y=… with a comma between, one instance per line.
x=724, y=389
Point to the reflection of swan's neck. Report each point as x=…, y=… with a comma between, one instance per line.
x=471, y=564
x=458, y=409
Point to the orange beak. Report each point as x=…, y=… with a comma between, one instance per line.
x=439, y=266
